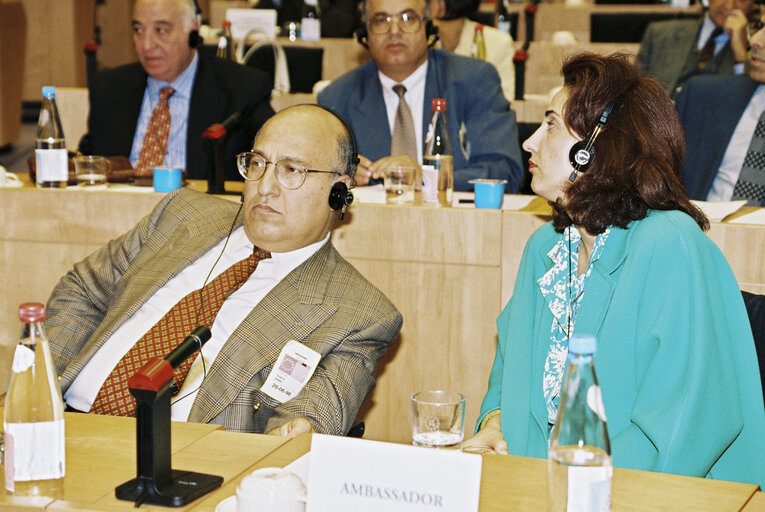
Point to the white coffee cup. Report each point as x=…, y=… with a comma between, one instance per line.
x=270, y=490
x=8, y=179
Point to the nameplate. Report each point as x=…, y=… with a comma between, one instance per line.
x=348, y=475
x=243, y=21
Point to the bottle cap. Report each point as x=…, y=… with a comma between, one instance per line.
x=49, y=91
x=226, y=24
x=479, y=28
x=438, y=104
x=582, y=344
x=31, y=312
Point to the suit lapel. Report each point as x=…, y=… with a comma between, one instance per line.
x=291, y=311
x=371, y=107
x=131, y=109
x=205, y=108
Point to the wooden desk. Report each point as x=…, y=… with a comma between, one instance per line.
x=449, y=271
x=756, y=504
x=520, y=484
x=101, y=454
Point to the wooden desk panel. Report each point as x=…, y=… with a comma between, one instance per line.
x=449, y=271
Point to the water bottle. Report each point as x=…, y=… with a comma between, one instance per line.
x=579, y=458
x=52, y=166
x=478, y=49
x=34, y=414
x=226, y=43
x=310, y=25
x=438, y=162
x=504, y=24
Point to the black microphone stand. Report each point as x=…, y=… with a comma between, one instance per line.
x=157, y=483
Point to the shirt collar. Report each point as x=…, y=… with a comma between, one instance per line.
x=415, y=79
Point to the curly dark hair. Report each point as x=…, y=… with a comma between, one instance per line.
x=638, y=154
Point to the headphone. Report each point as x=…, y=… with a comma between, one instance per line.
x=340, y=197
x=194, y=38
x=431, y=34
x=581, y=154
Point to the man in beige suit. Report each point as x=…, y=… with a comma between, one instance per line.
x=304, y=292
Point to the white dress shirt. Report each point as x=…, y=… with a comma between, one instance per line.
x=236, y=307
x=414, y=97
x=733, y=160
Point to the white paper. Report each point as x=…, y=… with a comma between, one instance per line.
x=349, y=475
x=755, y=217
x=374, y=194
x=245, y=20
x=716, y=211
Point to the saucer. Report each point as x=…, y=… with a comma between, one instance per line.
x=227, y=505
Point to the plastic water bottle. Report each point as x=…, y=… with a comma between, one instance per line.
x=310, y=25
x=226, y=42
x=52, y=166
x=34, y=414
x=503, y=18
x=579, y=458
x=438, y=162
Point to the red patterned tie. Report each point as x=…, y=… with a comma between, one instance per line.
x=197, y=308
x=155, y=139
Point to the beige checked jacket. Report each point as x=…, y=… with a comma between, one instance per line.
x=324, y=303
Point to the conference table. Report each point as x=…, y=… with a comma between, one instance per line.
x=449, y=271
x=100, y=454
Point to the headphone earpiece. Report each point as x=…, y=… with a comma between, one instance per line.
x=581, y=154
x=195, y=39
x=431, y=34
x=340, y=198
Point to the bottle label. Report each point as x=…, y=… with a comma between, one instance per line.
x=23, y=359
x=589, y=489
x=36, y=451
x=52, y=165
x=429, y=184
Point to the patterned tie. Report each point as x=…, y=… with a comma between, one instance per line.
x=197, y=308
x=707, y=52
x=403, y=141
x=751, y=181
x=155, y=139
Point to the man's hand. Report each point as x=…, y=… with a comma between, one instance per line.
x=488, y=440
x=735, y=26
x=368, y=170
x=293, y=428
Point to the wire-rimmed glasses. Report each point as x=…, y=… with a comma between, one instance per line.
x=289, y=174
x=408, y=21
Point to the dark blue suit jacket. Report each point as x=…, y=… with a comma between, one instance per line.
x=220, y=89
x=710, y=107
x=474, y=97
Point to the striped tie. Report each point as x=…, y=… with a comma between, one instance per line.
x=197, y=308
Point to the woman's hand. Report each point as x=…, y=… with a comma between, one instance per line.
x=488, y=440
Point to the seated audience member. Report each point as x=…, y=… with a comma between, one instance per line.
x=457, y=33
x=724, y=124
x=391, y=126
x=129, y=105
x=277, y=276
x=625, y=258
x=339, y=18
x=674, y=50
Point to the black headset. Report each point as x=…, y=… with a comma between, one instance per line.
x=431, y=33
x=194, y=38
x=340, y=197
x=583, y=152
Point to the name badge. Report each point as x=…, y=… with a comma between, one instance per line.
x=292, y=370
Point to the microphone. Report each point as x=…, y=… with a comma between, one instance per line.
x=219, y=130
x=188, y=346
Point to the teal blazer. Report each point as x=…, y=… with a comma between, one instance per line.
x=676, y=360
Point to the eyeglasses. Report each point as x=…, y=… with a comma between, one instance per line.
x=409, y=21
x=289, y=174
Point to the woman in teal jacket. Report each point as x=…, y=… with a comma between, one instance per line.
x=625, y=259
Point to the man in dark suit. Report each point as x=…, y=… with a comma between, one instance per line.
x=482, y=127
x=720, y=115
x=674, y=50
x=303, y=295
x=207, y=90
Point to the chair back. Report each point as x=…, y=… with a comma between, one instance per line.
x=263, y=48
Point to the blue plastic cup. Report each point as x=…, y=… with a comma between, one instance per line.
x=167, y=179
x=489, y=193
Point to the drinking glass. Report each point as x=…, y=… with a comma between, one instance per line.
x=91, y=171
x=438, y=419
